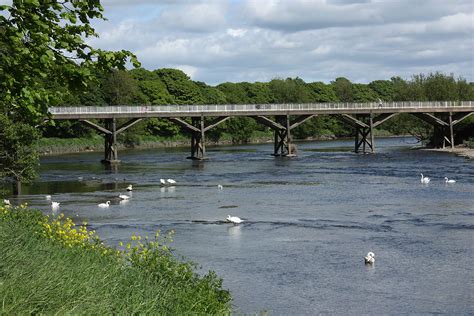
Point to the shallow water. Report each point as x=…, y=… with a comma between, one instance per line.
x=308, y=221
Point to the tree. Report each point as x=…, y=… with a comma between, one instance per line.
x=119, y=88
x=290, y=91
x=180, y=86
x=18, y=157
x=343, y=89
x=42, y=40
x=383, y=88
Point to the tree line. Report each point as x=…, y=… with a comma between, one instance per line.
x=172, y=86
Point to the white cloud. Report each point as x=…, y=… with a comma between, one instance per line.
x=200, y=17
x=236, y=32
x=318, y=40
x=191, y=71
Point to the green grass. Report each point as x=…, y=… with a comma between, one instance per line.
x=41, y=275
x=60, y=145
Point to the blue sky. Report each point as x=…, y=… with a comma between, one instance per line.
x=318, y=40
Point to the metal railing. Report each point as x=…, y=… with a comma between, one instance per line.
x=165, y=109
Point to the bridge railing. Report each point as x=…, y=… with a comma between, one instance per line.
x=257, y=107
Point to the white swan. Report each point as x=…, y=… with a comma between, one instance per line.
x=55, y=205
x=370, y=258
x=6, y=202
x=48, y=197
x=220, y=187
x=104, y=205
x=234, y=219
x=130, y=187
x=163, y=181
x=124, y=197
x=425, y=179
x=170, y=181
x=449, y=181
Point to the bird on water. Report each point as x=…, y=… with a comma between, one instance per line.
x=234, y=219
x=370, y=258
x=449, y=180
x=104, y=205
x=130, y=187
x=124, y=197
x=424, y=179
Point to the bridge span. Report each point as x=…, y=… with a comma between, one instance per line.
x=281, y=118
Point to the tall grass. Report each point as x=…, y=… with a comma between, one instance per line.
x=51, y=266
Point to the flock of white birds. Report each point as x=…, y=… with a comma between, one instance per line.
x=427, y=180
x=368, y=259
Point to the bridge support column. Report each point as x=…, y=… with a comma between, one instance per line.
x=282, y=126
x=198, y=147
x=282, y=143
x=364, y=131
x=444, y=131
x=364, y=126
x=110, y=132
x=197, y=129
x=110, y=148
x=364, y=140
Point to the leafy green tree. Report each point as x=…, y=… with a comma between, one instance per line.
x=180, y=86
x=290, y=91
x=235, y=93
x=258, y=93
x=18, y=157
x=210, y=94
x=119, y=88
x=343, y=89
x=363, y=93
x=150, y=86
x=321, y=92
x=45, y=41
x=400, y=89
x=384, y=89
x=241, y=129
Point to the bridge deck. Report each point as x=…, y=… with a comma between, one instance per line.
x=91, y=112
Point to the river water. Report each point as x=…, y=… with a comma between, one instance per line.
x=309, y=221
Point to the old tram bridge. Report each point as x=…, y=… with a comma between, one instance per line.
x=281, y=118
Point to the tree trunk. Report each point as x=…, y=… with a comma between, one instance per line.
x=17, y=187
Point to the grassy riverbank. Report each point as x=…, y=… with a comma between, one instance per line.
x=50, y=266
x=52, y=146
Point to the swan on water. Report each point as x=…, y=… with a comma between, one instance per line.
x=130, y=187
x=370, y=258
x=48, y=197
x=6, y=202
x=55, y=205
x=170, y=181
x=449, y=180
x=220, y=187
x=424, y=179
x=163, y=181
x=234, y=219
x=104, y=205
x=124, y=197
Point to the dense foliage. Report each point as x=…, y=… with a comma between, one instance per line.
x=172, y=86
x=51, y=266
x=43, y=59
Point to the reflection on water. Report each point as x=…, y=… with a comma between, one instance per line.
x=309, y=221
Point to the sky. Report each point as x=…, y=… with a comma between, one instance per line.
x=216, y=41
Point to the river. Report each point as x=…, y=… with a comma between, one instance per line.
x=309, y=221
